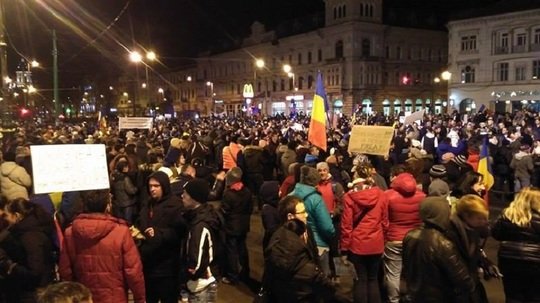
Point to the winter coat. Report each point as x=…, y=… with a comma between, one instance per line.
x=288, y=158
x=433, y=268
x=230, y=156
x=287, y=186
x=523, y=165
x=14, y=181
x=252, y=160
x=237, y=208
x=291, y=269
x=30, y=245
x=123, y=190
x=201, y=241
x=161, y=253
x=444, y=148
x=403, y=205
x=269, y=194
x=518, y=243
x=100, y=253
x=367, y=237
x=319, y=219
x=332, y=193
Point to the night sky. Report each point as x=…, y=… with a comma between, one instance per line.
x=177, y=30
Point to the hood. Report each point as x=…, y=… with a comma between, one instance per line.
x=94, y=226
x=7, y=168
x=435, y=211
x=36, y=220
x=301, y=190
x=163, y=180
x=269, y=192
x=521, y=154
x=366, y=197
x=251, y=150
x=405, y=184
x=203, y=213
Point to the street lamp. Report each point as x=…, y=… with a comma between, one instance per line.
x=446, y=75
x=136, y=57
x=34, y=64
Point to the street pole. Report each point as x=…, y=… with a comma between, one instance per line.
x=6, y=120
x=57, y=105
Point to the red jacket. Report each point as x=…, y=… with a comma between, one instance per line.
x=403, y=207
x=100, y=254
x=287, y=186
x=367, y=238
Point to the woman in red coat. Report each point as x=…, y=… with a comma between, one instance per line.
x=100, y=253
x=362, y=236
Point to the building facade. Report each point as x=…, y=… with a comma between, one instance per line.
x=495, y=61
x=366, y=65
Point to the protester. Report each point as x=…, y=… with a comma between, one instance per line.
x=96, y=237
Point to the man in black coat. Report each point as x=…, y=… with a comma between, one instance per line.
x=237, y=208
x=164, y=228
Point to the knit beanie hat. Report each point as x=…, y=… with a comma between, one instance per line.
x=198, y=189
x=460, y=160
x=234, y=175
x=437, y=171
x=438, y=188
x=309, y=176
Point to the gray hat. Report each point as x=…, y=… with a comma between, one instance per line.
x=309, y=176
x=234, y=175
x=438, y=188
x=435, y=210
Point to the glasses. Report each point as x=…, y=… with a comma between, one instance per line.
x=300, y=212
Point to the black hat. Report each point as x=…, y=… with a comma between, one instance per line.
x=234, y=175
x=198, y=189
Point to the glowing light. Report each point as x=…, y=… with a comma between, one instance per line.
x=135, y=57
x=34, y=64
x=287, y=68
x=437, y=80
x=259, y=63
x=446, y=75
x=151, y=56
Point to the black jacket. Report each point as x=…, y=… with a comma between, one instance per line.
x=291, y=270
x=237, y=208
x=433, y=267
x=29, y=244
x=518, y=243
x=252, y=160
x=201, y=242
x=161, y=253
x=123, y=190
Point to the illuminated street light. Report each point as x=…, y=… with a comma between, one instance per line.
x=111, y=88
x=34, y=64
x=86, y=93
x=446, y=75
x=135, y=57
x=31, y=89
x=125, y=94
x=188, y=78
x=7, y=80
x=290, y=75
x=259, y=63
x=287, y=68
x=208, y=83
x=151, y=56
x=143, y=85
x=437, y=80
x=160, y=90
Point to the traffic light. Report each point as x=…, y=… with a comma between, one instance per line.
x=405, y=80
x=25, y=112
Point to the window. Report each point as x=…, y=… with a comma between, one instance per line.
x=366, y=48
x=371, y=10
x=521, y=39
x=502, y=72
x=309, y=58
x=520, y=73
x=319, y=55
x=387, y=52
x=339, y=49
x=468, y=75
x=274, y=85
x=310, y=82
x=299, y=58
x=398, y=53
x=335, y=13
x=361, y=9
x=344, y=10
x=282, y=85
x=536, y=70
x=339, y=12
x=301, y=83
x=468, y=43
x=536, y=36
x=504, y=40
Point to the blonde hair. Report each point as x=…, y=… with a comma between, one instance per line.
x=471, y=204
x=519, y=211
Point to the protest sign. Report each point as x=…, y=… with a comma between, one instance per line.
x=135, y=123
x=416, y=116
x=373, y=140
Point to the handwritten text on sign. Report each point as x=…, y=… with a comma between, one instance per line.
x=372, y=140
x=134, y=123
x=69, y=167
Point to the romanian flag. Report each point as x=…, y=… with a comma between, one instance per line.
x=317, y=126
x=484, y=165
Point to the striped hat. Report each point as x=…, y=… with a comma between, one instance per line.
x=460, y=160
x=437, y=171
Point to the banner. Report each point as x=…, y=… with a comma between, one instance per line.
x=135, y=123
x=416, y=116
x=373, y=140
x=69, y=167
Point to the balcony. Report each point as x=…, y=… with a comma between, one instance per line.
x=535, y=47
x=499, y=50
x=519, y=49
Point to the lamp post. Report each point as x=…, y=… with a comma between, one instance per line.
x=288, y=70
x=212, y=94
x=259, y=63
x=136, y=57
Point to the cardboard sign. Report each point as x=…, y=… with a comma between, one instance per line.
x=135, y=123
x=416, y=116
x=69, y=167
x=372, y=140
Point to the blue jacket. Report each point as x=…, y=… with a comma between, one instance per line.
x=318, y=216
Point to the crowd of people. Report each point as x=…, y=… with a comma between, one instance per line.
x=175, y=221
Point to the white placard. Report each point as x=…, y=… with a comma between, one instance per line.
x=134, y=123
x=416, y=116
x=69, y=167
